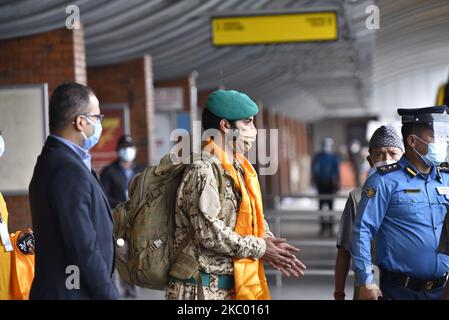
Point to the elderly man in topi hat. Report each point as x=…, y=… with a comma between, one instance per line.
x=231, y=239
x=385, y=148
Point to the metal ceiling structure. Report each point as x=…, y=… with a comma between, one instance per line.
x=305, y=80
x=414, y=35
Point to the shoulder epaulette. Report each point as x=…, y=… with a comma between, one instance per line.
x=388, y=168
x=411, y=172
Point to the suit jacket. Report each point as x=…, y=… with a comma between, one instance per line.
x=114, y=183
x=73, y=226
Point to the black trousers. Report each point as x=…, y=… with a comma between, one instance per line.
x=326, y=187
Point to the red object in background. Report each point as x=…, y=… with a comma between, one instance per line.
x=113, y=128
x=347, y=176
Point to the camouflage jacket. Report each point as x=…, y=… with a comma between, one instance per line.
x=214, y=243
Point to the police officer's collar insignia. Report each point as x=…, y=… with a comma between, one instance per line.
x=442, y=168
x=388, y=168
x=370, y=192
x=412, y=173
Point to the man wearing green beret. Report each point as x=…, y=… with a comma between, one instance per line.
x=223, y=208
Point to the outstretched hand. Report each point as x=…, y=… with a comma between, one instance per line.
x=289, y=267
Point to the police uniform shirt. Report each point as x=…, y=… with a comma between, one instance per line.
x=404, y=210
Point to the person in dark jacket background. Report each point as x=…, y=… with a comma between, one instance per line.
x=71, y=216
x=115, y=179
x=116, y=176
x=326, y=177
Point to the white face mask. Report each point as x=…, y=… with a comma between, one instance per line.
x=2, y=146
x=127, y=154
x=327, y=148
x=384, y=163
x=245, y=139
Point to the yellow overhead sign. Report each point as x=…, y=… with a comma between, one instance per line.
x=276, y=28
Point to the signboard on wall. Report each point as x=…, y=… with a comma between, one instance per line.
x=169, y=99
x=115, y=124
x=24, y=125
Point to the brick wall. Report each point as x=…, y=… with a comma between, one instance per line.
x=53, y=57
x=129, y=82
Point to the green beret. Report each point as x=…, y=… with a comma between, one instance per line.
x=231, y=105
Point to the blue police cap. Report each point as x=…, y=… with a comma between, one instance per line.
x=424, y=115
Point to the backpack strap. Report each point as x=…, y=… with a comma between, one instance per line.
x=142, y=185
x=199, y=285
x=141, y=202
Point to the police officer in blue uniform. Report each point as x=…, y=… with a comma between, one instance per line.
x=403, y=210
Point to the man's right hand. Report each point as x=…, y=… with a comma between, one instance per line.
x=277, y=255
x=369, y=292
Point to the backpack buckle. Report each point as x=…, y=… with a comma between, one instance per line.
x=156, y=244
x=154, y=194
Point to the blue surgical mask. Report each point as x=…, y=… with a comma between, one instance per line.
x=436, y=153
x=2, y=146
x=90, y=142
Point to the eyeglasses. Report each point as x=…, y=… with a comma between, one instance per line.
x=98, y=116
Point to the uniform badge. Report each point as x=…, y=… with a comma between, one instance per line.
x=370, y=192
x=443, y=190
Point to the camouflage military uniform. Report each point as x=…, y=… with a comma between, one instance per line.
x=214, y=242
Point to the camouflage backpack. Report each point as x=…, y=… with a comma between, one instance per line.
x=144, y=227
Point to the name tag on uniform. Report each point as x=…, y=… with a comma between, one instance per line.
x=6, y=240
x=412, y=190
x=443, y=190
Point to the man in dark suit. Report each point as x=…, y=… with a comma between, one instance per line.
x=71, y=216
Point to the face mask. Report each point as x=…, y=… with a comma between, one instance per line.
x=384, y=163
x=91, y=141
x=2, y=146
x=245, y=139
x=436, y=153
x=327, y=149
x=127, y=154
x=380, y=164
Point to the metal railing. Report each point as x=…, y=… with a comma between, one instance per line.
x=274, y=212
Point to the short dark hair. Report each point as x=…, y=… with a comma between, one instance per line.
x=211, y=121
x=67, y=101
x=408, y=129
